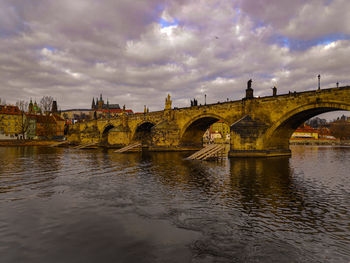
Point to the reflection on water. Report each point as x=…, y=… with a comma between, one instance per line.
x=67, y=205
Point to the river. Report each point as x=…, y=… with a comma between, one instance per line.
x=69, y=205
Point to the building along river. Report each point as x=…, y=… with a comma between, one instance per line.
x=69, y=205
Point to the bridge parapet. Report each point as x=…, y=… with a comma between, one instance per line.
x=259, y=126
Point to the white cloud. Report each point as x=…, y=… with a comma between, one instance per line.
x=79, y=49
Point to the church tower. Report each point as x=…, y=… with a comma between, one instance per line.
x=93, y=104
x=100, y=103
x=31, y=107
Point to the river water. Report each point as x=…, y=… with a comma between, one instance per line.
x=68, y=205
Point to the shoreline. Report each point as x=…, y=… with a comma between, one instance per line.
x=320, y=142
x=23, y=143
x=13, y=143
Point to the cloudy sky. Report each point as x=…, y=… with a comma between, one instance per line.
x=136, y=52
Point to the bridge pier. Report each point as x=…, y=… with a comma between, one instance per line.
x=119, y=136
x=247, y=140
x=259, y=127
x=165, y=135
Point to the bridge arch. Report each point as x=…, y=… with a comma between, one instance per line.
x=192, y=132
x=142, y=132
x=277, y=136
x=105, y=131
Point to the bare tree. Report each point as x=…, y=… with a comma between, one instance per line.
x=22, y=105
x=48, y=126
x=340, y=129
x=23, y=125
x=46, y=104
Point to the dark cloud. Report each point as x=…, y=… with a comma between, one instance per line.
x=135, y=52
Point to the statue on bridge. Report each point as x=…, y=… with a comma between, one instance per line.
x=168, y=103
x=249, y=91
x=274, y=91
x=249, y=84
x=194, y=102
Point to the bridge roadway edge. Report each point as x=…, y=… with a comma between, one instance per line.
x=259, y=126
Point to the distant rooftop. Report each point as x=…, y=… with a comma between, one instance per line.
x=9, y=109
x=76, y=110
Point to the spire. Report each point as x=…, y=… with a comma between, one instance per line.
x=93, y=104
x=101, y=97
x=54, y=107
x=30, y=106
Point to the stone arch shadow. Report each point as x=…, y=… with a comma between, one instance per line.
x=143, y=133
x=192, y=132
x=105, y=131
x=277, y=136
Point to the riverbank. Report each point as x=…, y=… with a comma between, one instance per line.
x=16, y=143
x=318, y=142
x=8, y=143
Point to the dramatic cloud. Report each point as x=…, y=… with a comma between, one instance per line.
x=135, y=52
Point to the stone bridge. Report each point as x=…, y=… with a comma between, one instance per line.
x=258, y=126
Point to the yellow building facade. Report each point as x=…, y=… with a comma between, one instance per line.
x=10, y=120
x=305, y=132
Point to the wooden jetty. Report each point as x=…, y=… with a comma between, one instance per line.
x=216, y=151
x=129, y=147
x=86, y=146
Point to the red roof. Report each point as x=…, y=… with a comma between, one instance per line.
x=10, y=109
x=306, y=129
x=115, y=110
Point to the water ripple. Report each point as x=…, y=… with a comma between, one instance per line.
x=241, y=210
